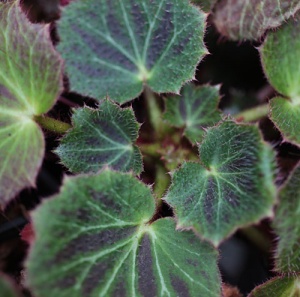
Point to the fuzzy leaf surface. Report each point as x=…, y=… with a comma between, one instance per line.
x=195, y=109
x=285, y=115
x=280, y=58
x=30, y=81
x=285, y=224
x=249, y=19
x=278, y=287
x=119, y=46
x=233, y=185
x=6, y=287
x=99, y=244
x=100, y=138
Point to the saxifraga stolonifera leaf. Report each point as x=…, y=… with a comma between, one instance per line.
x=30, y=82
x=195, y=110
x=232, y=186
x=280, y=58
x=287, y=227
x=101, y=137
x=95, y=240
x=120, y=46
x=249, y=19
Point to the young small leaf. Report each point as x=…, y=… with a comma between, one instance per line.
x=101, y=137
x=197, y=108
x=278, y=287
x=280, y=58
x=7, y=288
x=233, y=186
x=285, y=223
x=286, y=117
x=30, y=81
x=240, y=19
x=99, y=243
x=116, y=47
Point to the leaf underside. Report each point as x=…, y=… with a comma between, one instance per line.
x=6, y=287
x=98, y=243
x=232, y=186
x=119, y=46
x=30, y=81
x=195, y=110
x=102, y=137
x=278, y=287
x=249, y=19
x=286, y=227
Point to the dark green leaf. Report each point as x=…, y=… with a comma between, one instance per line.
x=100, y=138
x=7, y=288
x=286, y=116
x=194, y=110
x=286, y=226
x=278, y=287
x=94, y=240
x=249, y=19
x=30, y=81
x=233, y=186
x=116, y=47
x=205, y=5
x=280, y=57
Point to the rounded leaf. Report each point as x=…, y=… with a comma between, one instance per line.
x=119, y=46
x=99, y=243
x=99, y=138
x=233, y=186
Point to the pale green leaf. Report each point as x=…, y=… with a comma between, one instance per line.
x=278, y=287
x=30, y=81
x=286, y=226
x=286, y=117
x=195, y=110
x=98, y=242
x=116, y=47
x=280, y=58
x=233, y=185
x=103, y=137
x=249, y=19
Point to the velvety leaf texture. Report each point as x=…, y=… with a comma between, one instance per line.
x=194, y=110
x=99, y=243
x=6, y=287
x=116, y=47
x=285, y=115
x=249, y=19
x=233, y=184
x=286, y=227
x=30, y=81
x=278, y=287
x=101, y=138
x=280, y=58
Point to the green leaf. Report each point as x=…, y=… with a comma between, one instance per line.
x=286, y=227
x=30, y=81
x=240, y=19
x=280, y=57
x=7, y=288
x=278, y=287
x=116, y=47
x=100, y=138
x=285, y=115
x=231, y=187
x=99, y=243
x=205, y=5
x=196, y=109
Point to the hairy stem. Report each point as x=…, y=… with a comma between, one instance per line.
x=253, y=114
x=52, y=124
